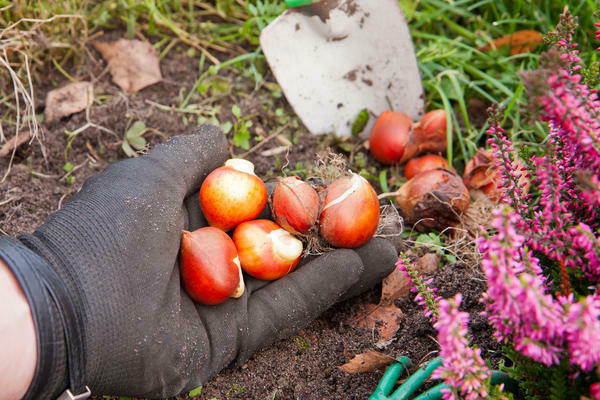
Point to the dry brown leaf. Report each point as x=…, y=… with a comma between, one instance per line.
x=367, y=362
x=519, y=42
x=396, y=285
x=132, y=63
x=69, y=99
x=384, y=318
x=13, y=143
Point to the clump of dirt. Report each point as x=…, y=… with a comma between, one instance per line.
x=304, y=366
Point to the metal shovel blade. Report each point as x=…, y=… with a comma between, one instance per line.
x=335, y=58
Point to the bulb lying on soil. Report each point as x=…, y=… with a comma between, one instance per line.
x=395, y=139
x=483, y=175
x=435, y=199
x=390, y=136
x=424, y=163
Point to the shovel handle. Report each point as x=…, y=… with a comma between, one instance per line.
x=299, y=3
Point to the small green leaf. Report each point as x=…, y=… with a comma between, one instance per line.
x=242, y=139
x=360, y=122
x=430, y=239
x=236, y=111
x=68, y=167
x=450, y=258
x=138, y=143
x=227, y=127
x=195, y=392
x=127, y=149
x=136, y=130
x=383, y=181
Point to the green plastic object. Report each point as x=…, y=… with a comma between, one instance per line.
x=404, y=391
x=389, y=378
x=299, y=3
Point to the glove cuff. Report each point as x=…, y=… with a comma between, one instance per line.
x=59, y=345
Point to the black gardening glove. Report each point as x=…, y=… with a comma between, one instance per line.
x=102, y=278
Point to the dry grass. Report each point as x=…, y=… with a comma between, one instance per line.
x=25, y=46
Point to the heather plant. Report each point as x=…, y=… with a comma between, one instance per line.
x=541, y=254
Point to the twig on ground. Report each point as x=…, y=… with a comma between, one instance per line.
x=262, y=142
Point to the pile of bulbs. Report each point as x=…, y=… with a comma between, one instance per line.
x=345, y=214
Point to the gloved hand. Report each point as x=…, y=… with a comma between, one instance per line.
x=102, y=279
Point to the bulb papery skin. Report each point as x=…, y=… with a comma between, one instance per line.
x=266, y=250
x=428, y=136
x=295, y=205
x=230, y=196
x=350, y=212
x=433, y=199
x=390, y=136
x=208, y=265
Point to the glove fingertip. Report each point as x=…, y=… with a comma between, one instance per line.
x=379, y=258
x=190, y=158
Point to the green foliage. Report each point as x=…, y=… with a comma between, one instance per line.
x=448, y=37
x=133, y=139
x=241, y=134
x=539, y=382
x=359, y=123
x=302, y=343
x=195, y=392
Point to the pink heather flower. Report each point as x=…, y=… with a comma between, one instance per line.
x=512, y=184
x=463, y=368
x=587, y=250
x=516, y=302
x=426, y=296
x=583, y=331
x=595, y=391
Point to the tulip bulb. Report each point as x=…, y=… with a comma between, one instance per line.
x=266, y=250
x=483, y=175
x=430, y=134
x=390, y=136
x=350, y=212
x=210, y=267
x=395, y=139
x=232, y=194
x=295, y=205
x=424, y=163
x=435, y=199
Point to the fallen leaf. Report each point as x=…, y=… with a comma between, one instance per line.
x=133, y=63
x=69, y=99
x=13, y=143
x=519, y=42
x=383, y=318
x=367, y=362
x=397, y=285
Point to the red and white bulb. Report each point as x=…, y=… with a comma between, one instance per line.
x=266, y=251
x=210, y=267
x=232, y=194
x=295, y=205
x=350, y=213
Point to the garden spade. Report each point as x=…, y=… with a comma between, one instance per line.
x=335, y=58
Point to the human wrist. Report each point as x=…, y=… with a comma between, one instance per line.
x=18, y=339
x=30, y=272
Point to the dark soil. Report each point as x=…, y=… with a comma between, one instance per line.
x=304, y=366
